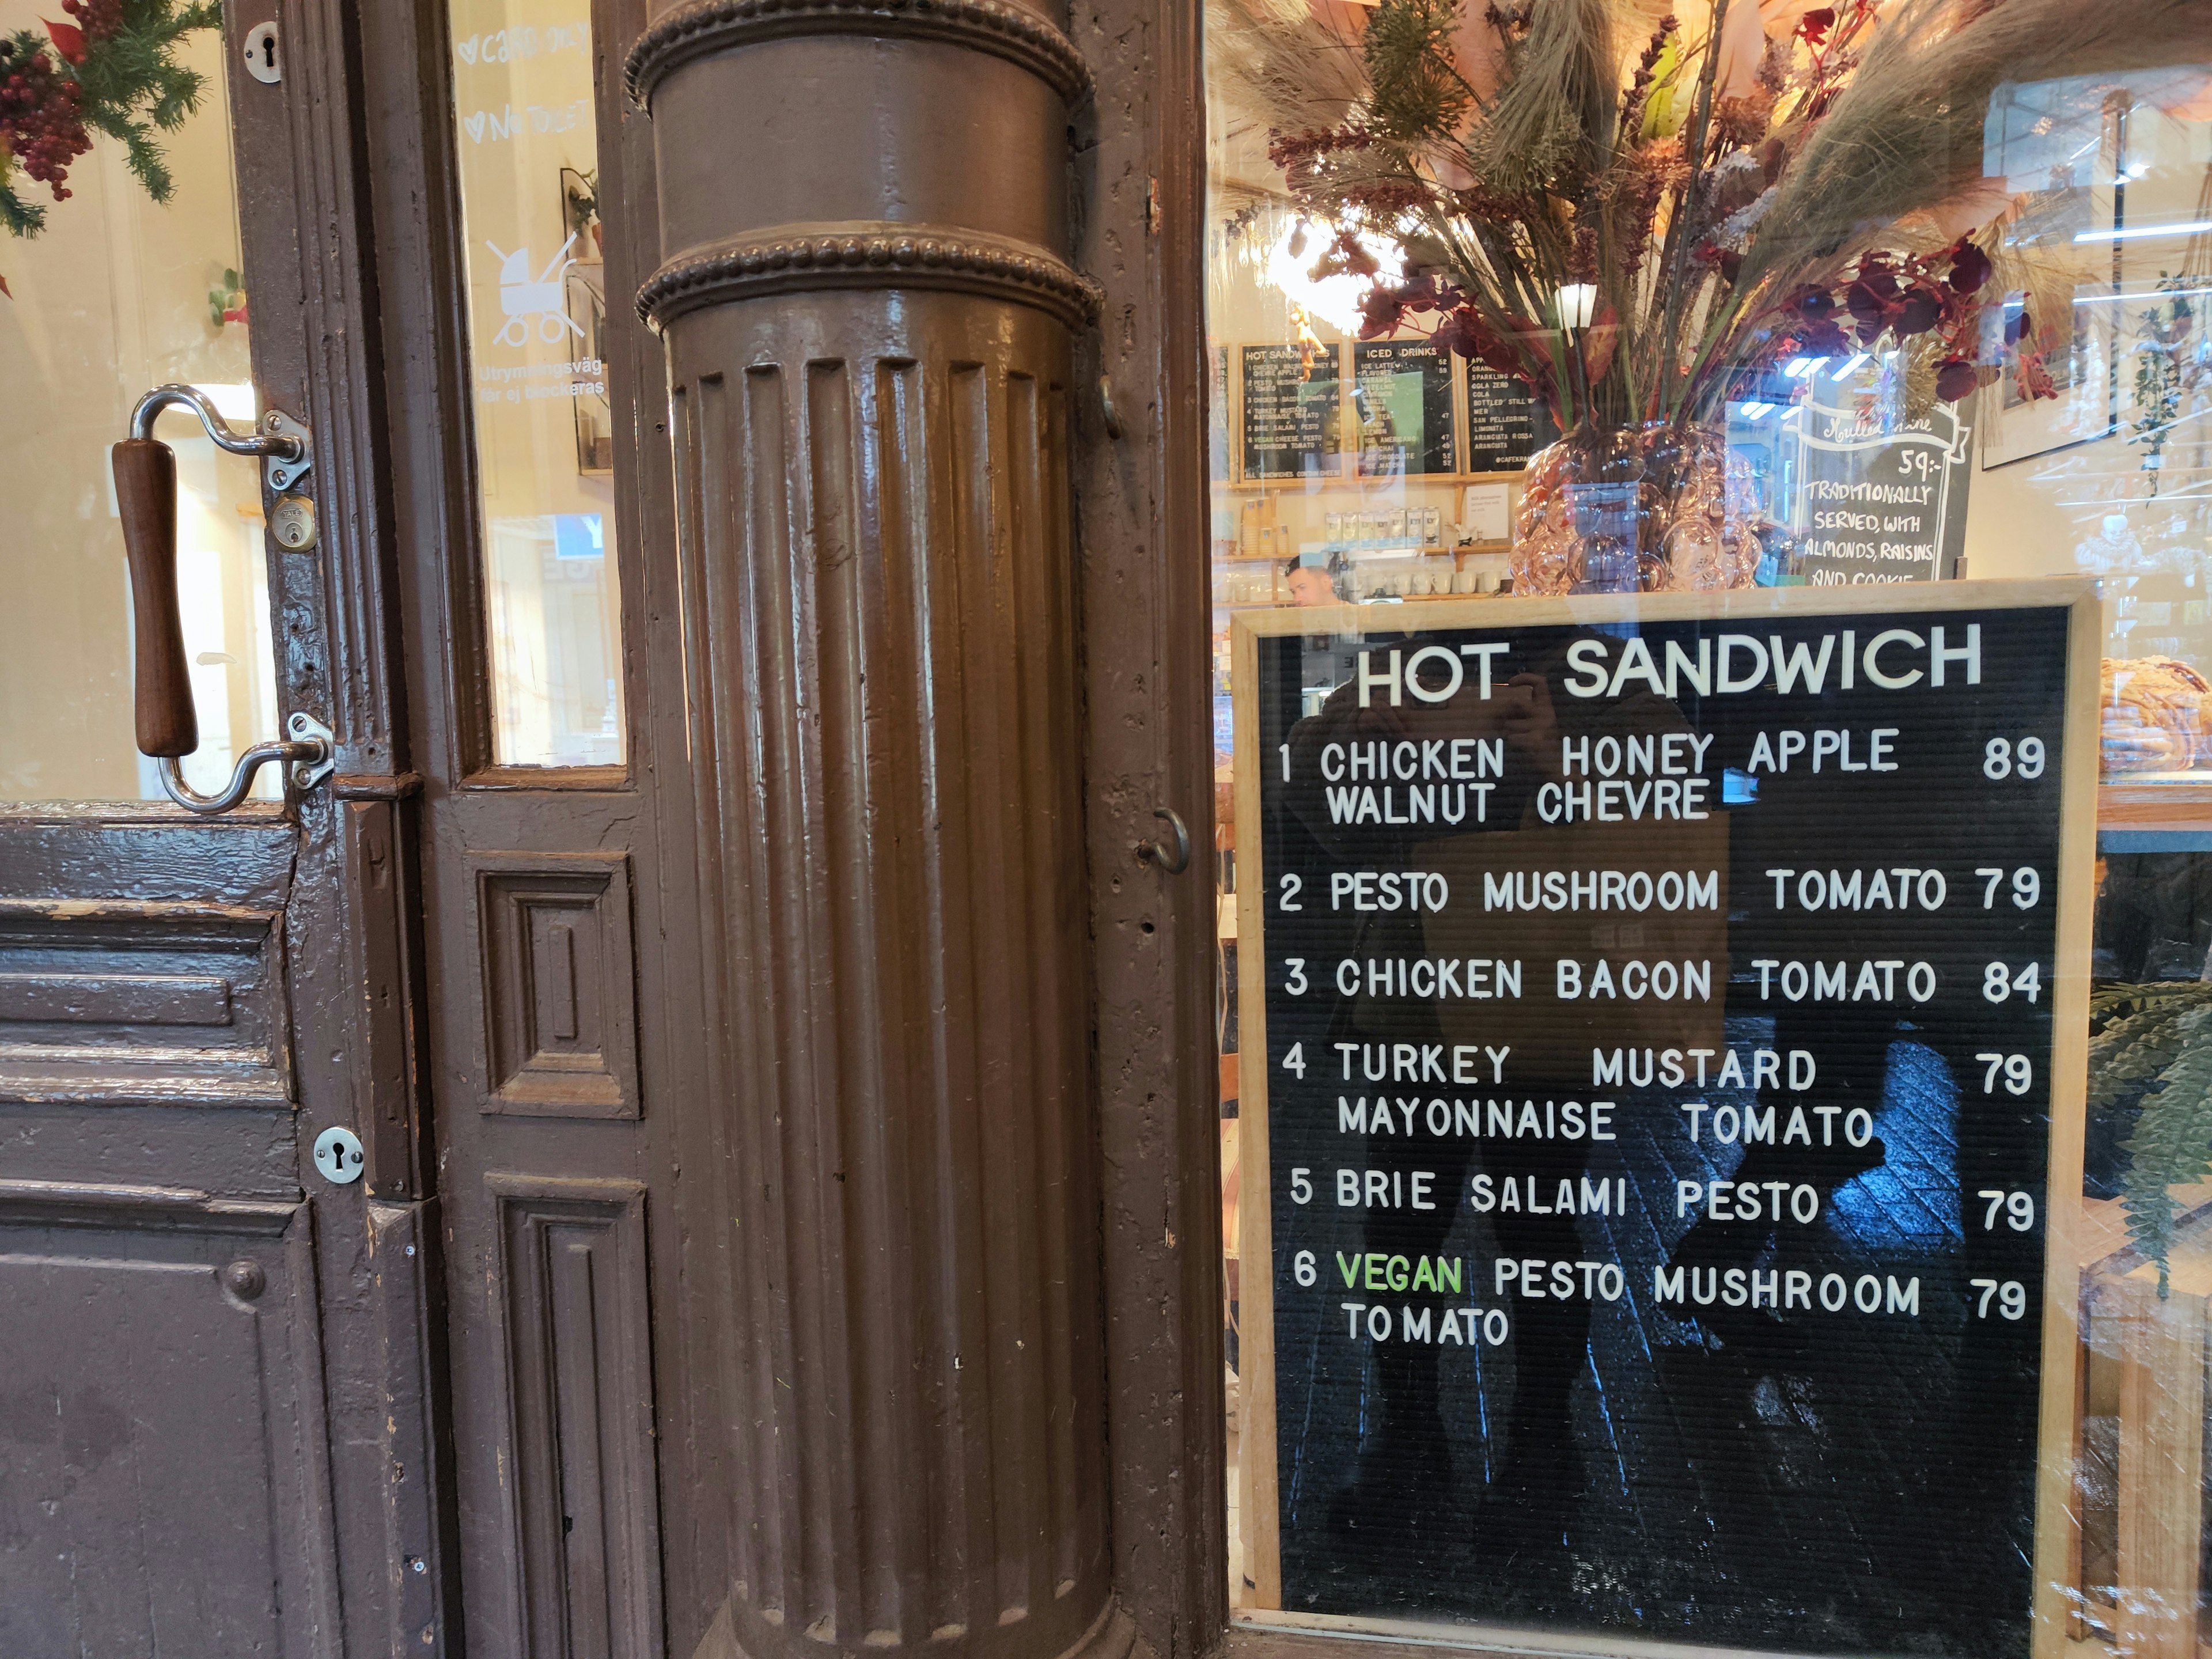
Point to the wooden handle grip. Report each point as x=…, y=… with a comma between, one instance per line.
x=146, y=496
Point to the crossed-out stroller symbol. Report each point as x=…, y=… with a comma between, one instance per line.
x=522, y=299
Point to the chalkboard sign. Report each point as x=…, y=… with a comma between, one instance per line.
x=1662, y=1057
x=1878, y=504
x=1404, y=405
x=1292, y=413
x=1504, y=424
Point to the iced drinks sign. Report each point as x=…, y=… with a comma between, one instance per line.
x=1662, y=1048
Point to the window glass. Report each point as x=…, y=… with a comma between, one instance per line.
x=528, y=141
x=1715, y=1137
x=109, y=292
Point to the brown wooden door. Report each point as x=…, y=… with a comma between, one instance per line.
x=214, y=1405
x=562, y=1038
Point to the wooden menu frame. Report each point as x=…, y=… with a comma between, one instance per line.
x=2055, y=1528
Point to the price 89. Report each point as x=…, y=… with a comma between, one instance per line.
x=2003, y=758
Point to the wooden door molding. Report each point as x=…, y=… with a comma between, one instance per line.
x=353, y=929
x=1144, y=528
x=561, y=1045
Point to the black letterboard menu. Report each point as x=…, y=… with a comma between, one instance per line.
x=1405, y=407
x=1504, y=424
x=1648, y=1077
x=1291, y=411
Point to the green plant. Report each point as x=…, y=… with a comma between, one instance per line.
x=2169, y=364
x=583, y=193
x=2151, y=1046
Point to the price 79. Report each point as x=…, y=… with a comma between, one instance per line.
x=2011, y=1298
x=2019, y=1209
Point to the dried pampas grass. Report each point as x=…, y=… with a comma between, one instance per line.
x=1907, y=135
x=1555, y=111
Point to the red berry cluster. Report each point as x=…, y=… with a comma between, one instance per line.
x=41, y=119
x=99, y=19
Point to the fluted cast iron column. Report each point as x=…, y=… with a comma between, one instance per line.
x=868, y=321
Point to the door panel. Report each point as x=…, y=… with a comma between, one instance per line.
x=163, y=1482
x=579, y=1412
x=558, y=1028
x=195, y=1453
x=548, y=908
x=142, y=963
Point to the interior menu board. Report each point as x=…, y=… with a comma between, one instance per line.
x=1504, y=425
x=1403, y=392
x=1661, y=1054
x=1879, y=502
x=1292, y=415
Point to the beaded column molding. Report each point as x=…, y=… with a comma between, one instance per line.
x=868, y=320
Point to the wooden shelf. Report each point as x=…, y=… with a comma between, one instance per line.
x=1323, y=481
x=2171, y=801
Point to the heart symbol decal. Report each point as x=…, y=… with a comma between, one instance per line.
x=475, y=123
x=467, y=49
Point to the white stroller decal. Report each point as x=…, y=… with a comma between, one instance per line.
x=521, y=299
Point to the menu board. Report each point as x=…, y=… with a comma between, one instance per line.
x=1661, y=1054
x=1291, y=414
x=1879, y=502
x=1504, y=425
x=1404, y=402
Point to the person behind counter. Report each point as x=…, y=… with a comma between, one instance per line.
x=1309, y=584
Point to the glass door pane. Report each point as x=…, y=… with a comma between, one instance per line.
x=110, y=293
x=528, y=141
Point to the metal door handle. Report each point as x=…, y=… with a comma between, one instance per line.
x=146, y=498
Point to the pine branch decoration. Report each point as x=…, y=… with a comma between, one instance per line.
x=135, y=87
x=2150, y=1046
x=112, y=70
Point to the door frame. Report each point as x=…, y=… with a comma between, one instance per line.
x=1143, y=512
x=471, y=813
x=359, y=987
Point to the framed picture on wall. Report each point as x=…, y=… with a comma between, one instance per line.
x=2083, y=381
x=2067, y=136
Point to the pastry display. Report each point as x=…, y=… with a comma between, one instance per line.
x=2152, y=714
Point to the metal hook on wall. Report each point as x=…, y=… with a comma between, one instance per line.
x=1175, y=863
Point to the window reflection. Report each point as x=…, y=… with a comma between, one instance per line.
x=2064, y=429
x=117, y=293
x=528, y=142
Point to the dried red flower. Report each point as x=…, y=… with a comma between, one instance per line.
x=1920, y=311
x=1869, y=299
x=1970, y=268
